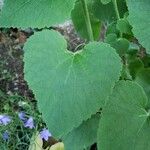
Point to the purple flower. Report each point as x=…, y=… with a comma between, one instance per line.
x=29, y=123
x=5, y=136
x=4, y=119
x=45, y=134
x=22, y=116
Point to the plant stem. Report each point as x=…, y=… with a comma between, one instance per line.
x=87, y=20
x=116, y=9
x=117, y=12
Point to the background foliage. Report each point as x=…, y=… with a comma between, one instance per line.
x=99, y=94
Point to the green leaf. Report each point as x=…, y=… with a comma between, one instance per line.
x=143, y=78
x=35, y=13
x=133, y=49
x=123, y=26
x=125, y=75
x=142, y=139
x=111, y=38
x=125, y=122
x=83, y=136
x=69, y=87
x=80, y=22
x=146, y=61
x=58, y=146
x=106, y=12
x=121, y=45
x=2, y=95
x=134, y=65
x=111, y=29
x=139, y=19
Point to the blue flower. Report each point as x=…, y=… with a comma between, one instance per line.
x=45, y=134
x=5, y=136
x=4, y=119
x=29, y=123
x=22, y=116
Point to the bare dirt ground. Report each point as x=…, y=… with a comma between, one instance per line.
x=11, y=57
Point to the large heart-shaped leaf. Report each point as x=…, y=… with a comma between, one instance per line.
x=125, y=122
x=139, y=11
x=69, y=87
x=84, y=135
x=35, y=13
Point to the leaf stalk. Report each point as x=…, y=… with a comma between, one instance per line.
x=116, y=9
x=87, y=20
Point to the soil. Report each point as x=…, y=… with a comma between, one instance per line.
x=11, y=63
x=11, y=57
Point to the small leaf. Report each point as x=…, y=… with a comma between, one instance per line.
x=121, y=45
x=35, y=13
x=125, y=121
x=82, y=136
x=69, y=87
x=111, y=29
x=123, y=26
x=111, y=38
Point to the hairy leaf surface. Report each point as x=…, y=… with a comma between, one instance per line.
x=35, y=13
x=125, y=123
x=139, y=11
x=143, y=78
x=84, y=135
x=69, y=87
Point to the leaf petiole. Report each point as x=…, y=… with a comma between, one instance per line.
x=87, y=20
